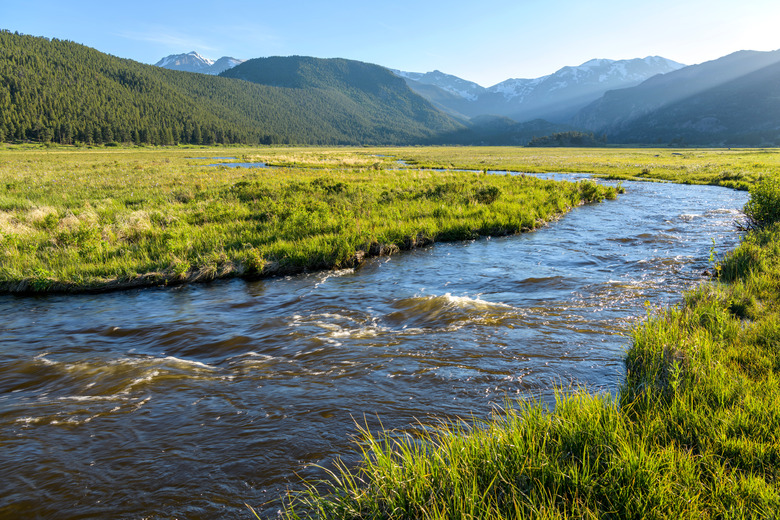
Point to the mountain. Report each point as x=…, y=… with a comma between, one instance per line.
x=194, y=62
x=55, y=90
x=556, y=97
x=731, y=100
x=365, y=102
x=453, y=84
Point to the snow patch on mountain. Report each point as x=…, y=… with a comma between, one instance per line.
x=407, y=75
x=460, y=87
x=516, y=88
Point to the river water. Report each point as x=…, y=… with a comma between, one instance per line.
x=187, y=402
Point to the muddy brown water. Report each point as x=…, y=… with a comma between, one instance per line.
x=188, y=402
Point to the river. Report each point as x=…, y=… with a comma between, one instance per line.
x=187, y=402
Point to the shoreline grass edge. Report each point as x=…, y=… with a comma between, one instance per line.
x=96, y=221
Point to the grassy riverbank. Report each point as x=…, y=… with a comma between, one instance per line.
x=733, y=168
x=693, y=433
x=75, y=220
x=737, y=168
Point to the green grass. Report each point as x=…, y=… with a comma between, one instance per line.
x=694, y=431
x=74, y=220
x=733, y=168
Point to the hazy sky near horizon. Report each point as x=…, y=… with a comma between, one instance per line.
x=486, y=42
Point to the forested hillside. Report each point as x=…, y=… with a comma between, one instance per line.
x=60, y=91
x=370, y=103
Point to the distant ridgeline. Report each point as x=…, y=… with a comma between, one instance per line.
x=729, y=101
x=63, y=92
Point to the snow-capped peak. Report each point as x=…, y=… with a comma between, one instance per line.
x=516, y=88
x=555, y=97
x=201, y=58
x=452, y=84
x=407, y=75
x=194, y=62
x=598, y=62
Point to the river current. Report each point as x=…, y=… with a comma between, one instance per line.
x=187, y=402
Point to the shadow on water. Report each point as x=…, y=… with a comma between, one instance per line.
x=188, y=402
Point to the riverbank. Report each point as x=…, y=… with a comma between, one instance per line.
x=736, y=168
x=692, y=433
x=95, y=220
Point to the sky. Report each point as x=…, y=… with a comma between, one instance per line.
x=486, y=41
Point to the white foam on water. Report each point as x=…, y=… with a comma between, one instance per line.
x=144, y=379
x=468, y=302
x=42, y=358
x=188, y=363
x=26, y=421
x=370, y=331
x=88, y=398
x=449, y=312
x=337, y=273
x=448, y=301
x=262, y=357
x=724, y=211
x=64, y=417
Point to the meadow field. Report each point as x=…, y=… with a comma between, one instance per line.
x=734, y=168
x=109, y=218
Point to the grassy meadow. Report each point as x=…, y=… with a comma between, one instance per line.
x=108, y=218
x=737, y=168
x=734, y=168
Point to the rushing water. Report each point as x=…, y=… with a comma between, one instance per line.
x=187, y=402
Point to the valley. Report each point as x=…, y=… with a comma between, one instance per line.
x=299, y=287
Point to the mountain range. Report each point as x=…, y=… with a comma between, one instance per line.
x=731, y=100
x=61, y=91
x=555, y=98
x=55, y=90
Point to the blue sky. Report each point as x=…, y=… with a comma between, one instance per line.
x=484, y=41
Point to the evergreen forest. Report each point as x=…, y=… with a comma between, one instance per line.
x=61, y=92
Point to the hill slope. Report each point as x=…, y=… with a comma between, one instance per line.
x=731, y=100
x=364, y=99
x=54, y=90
